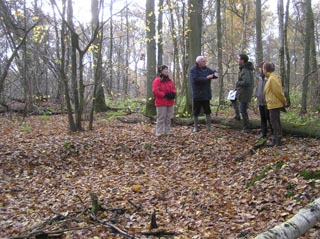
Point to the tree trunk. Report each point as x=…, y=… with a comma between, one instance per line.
x=281, y=38
x=176, y=76
x=306, y=68
x=296, y=226
x=219, y=44
x=195, y=36
x=160, y=34
x=185, y=103
x=151, y=55
x=110, y=62
x=315, y=87
x=126, y=77
x=74, y=85
x=98, y=99
x=286, y=81
x=259, y=49
x=244, y=41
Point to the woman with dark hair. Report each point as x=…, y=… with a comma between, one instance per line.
x=275, y=101
x=165, y=92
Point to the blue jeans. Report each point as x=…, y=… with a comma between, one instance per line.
x=244, y=109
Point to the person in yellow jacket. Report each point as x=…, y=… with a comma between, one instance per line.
x=275, y=101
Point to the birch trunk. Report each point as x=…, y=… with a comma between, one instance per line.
x=296, y=226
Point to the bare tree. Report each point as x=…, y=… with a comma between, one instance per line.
x=259, y=49
x=151, y=55
x=195, y=36
x=98, y=98
x=219, y=43
x=306, y=69
x=160, y=34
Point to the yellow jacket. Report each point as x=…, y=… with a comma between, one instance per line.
x=273, y=92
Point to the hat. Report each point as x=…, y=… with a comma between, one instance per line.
x=162, y=67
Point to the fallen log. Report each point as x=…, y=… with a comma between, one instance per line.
x=296, y=226
x=287, y=128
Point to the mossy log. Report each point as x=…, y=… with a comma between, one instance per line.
x=287, y=128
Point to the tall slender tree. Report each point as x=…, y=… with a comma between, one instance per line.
x=281, y=38
x=286, y=80
x=151, y=55
x=219, y=44
x=307, y=42
x=195, y=39
x=259, y=49
x=160, y=33
x=127, y=55
x=315, y=82
x=98, y=99
x=110, y=61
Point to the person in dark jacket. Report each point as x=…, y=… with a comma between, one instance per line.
x=200, y=77
x=244, y=87
x=165, y=92
x=264, y=112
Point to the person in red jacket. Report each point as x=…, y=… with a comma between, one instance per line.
x=165, y=92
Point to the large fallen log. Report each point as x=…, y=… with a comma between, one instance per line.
x=288, y=128
x=296, y=226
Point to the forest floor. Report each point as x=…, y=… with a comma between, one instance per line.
x=191, y=182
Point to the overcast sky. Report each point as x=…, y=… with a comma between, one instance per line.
x=82, y=7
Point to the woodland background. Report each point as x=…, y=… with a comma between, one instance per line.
x=77, y=119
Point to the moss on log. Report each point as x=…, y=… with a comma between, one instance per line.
x=288, y=128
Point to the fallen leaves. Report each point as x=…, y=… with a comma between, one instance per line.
x=192, y=180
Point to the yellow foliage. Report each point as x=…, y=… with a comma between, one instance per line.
x=136, y=188
x=18, y=14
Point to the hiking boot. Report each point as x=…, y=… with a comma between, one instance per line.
x=237, y=117
x=261, y=136
x=195, y=119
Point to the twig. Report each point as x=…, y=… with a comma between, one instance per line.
x=135, y=206
x=41, y=232
x=158, y=233
x=252, y=151
x=116, y=229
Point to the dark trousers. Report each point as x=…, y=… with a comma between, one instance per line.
x=235, y=106
x=244, y=109
x=197, y=105
x=275, y=122
x=264, y=119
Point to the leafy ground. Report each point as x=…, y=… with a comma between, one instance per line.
x=190, y=180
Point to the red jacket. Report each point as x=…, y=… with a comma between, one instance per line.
x=160, y=89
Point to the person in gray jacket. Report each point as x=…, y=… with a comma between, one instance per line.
x=244, y=87
x=264, y=112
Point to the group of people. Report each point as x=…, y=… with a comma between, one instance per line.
x=271, y=99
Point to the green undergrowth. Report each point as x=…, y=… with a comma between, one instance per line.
x=308, y=175
x=309, y=119
x=138, y=105
x=264, y=173
x=132, y=105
